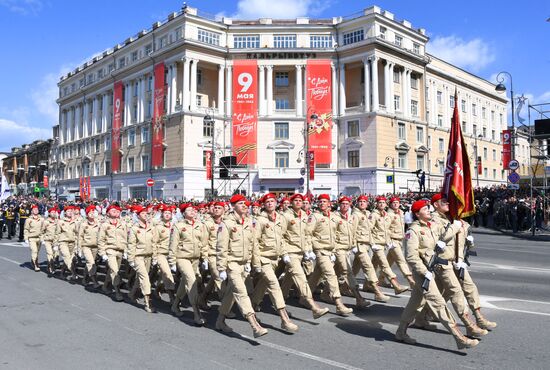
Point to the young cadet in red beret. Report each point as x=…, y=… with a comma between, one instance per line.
x=48, y=237
x=31, y=235
x=66, y=234
x=88, y=232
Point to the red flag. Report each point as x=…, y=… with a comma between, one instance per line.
x=457, y=185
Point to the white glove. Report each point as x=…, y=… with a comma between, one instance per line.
x=286, y=259
x=204, y=265
x=460, y=265
x=26, y=243
x=55, y=248
x=42, y=245
x=390, y=246
x=307, y=257
x=428, y=275
x=223, y=275
x=132, y=264
x=470, y=238
x=125, y=256
x=247, y=268
x=154, y=262
x=376, y=247
x=457, y=223
x=332, y=258
x=258, y=270
x=173, y=268
x=354, y=250
x=312, y=256
x=79, y=254
x=104, y=258
x=441, y=245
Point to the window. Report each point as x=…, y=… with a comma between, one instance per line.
x=492, y=134
x=97, y=145
x=401, y=131
x=414, y=108
x=281, y=130
x=164, y=40
x=96, y=169
x=419, y=162
x=284, y=41
x=209, y=37
x=199, y=100
x=100, y=74
x=79, y=150
x=441, y=166
x=132, y=137
x=494, y=155
x=353, y=128
x=419, y=134
x=397, y=103
x=416, y=48
x=382, y=34
x=177, y=33
x=474, y=130
x=204, y=155
x=281, y=159
x=107, y=168
x=246, y=42
x=145, y=134
x=199, y=77
x=320, y=41
x=483, y=112
x=464, y=130
x=414, y=82
x=492, y=116
x=485, y=153
x=441, y=145
x=281, y=79
x=353, y=158
x=485, y=132
x=494, y=173
x=396, y=76
x=90, y=78
x=402, y=160
x=282, y=103
x=207, y=128
x=356, y=36
x=398, y=40
x=111, y=67
x=134, y=56
x=500, y=118
x=108, y=142
x=131, y=165
x=148, y=49
x=463, y=105
x=121, y=63
x=145, y=163
x=485, y=173
x=451, y=101
x=474, y=110
x=439, y=97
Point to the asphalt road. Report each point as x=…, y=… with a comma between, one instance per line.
x=47, y=323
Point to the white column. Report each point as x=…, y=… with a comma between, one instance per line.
x=193, y=97
x=85, y=119
x=374, y=65
x=229, y=89
x=143, y=99
x=174, y=83
x=221, y=95
x=342, y=101
x=94, y=115
x=387, y=85
x=366, y=85
x=104, y=107
x=127, y=98
x=269, y=90
x=299, y=89
x=434, y=103
x=261, y=87
x=406, y=93
x=334, y=90
x=470, y=114
x=169, y=88
x=185, y=87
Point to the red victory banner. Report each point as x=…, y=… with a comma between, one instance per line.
x=319, y=102
x=311, y=155
x=209, y=171
x=506, y=148
x=245, y=111
x=118, y=107
x=457, y=184
x=45, y=181
x=158, y=115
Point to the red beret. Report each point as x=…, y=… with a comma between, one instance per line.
x=237, y=198
x=90, y=209
x=395, y=199
x=218, y=204
x=34, y=206
x=363, y=197
x=184, y=206
x=297, y=195
x=54, y=209
x=418, y=205
x=344, y=199
x=138, y=209
x=256, y=204
x=247, y=203
x=381, y=198
x=285, y=199
x=162, y=207
x=202, y=205
x=268, y=196
x=436, y=197
x=323, y=196
x=114, y=206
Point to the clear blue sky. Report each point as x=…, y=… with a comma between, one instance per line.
x=41, y=39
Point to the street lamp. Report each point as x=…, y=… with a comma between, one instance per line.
x=208, y=121
x=388, y=159
x=477, y=157
x=502, y=88
x=305, y=150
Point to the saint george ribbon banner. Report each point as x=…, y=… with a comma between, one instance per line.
x=506, y=148
x=118, y=107
x=245, y=111
x=157, y=155
x=319, y=102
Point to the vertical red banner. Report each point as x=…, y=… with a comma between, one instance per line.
x=319, y=102
x=45, y=181
x=245, y=111
x=311, y=155
x=118, y=107
x=479, y=166
x=157, y=155
x=89, y=189
x=209, y=172
x=506, y=148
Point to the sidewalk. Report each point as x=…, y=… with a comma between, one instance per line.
x=540, y=235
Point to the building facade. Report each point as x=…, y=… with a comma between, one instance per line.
x=392, y=105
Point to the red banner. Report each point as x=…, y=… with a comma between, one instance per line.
x=158, y=116
x=311, y=155
x=245, y=111
x=479, y=166
x=506, y=148
x=319, y=102
x=45, y=181
x=209, y=172
x=118, y=108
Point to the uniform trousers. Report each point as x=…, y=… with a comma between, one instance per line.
x=188, y=269
x=268, y=282
x=236, y=290
x=90, y=254
x=34, y=244
x=324, y=268
x=165, y=272
x=362, y=261
x=67, y=252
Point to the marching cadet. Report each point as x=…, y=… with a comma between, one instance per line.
x=236, y=244
x=140, y=255
x=446, y=277
x=298, y=247
x=270, y=228
x=362, y=260
x=256, y=209
x=112, y=243
x=346, y=244
x=397, y=233
x=161, y=246
x=380, y=222
x=10, y=220
x=87, y=243
x=323, y=238
x=65, y=234
x=33, y=228
x=49, y=227
x=421, y=240
x=24, y=213
x=188, y=246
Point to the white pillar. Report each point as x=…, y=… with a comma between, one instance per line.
x=406, y=93
x=173, y=88
x=221, y=96
x=387, y=85
x=143, y=99
x=299, y=89
x=342, y=102
x=94, y=116
x=185, y=87
x=269, y=90
x=193, y=97
x=169, y=88
x=366, y=85
x=334, y=90
x=229, y=89
x=261, y=87
x=434, y=103
x=374, y=65
x=104, y=108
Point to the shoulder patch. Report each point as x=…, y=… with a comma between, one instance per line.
x=408, y=235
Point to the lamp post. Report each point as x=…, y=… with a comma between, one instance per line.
x=209, y=121
x=388, y=159
x=305, y=150
x=477, y=157
x=502, y=88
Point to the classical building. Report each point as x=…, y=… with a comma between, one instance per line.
x=391, y=108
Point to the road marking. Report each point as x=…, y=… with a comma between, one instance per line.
x=8, y=260
x=514, y=268
x=523, y=311
x=325, y=361
x=132, y=330
x=13, y=245
x=102, y=317
x=220, y=364
x=513, y=251
x=77, y=306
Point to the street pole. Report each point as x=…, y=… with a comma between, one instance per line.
x=393, y=170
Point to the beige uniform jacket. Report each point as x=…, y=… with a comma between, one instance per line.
x=88, y=234
x=323, y=231
x=380, y=222
x=33, y=227
x=163, y=231
x=297, y=235
x=211, y=236
x=397, y=224
x=140, y=241
x=458, y=241
x=346, y=231
x=237, y=241
x=66, y=231
x=269, y=232
x=188, y=241
x=363, y=233
x=113, y=236
x=49, y=227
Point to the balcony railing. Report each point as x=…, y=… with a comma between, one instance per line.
x=284, y=173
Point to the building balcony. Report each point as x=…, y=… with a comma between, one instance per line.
x=284, y=173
